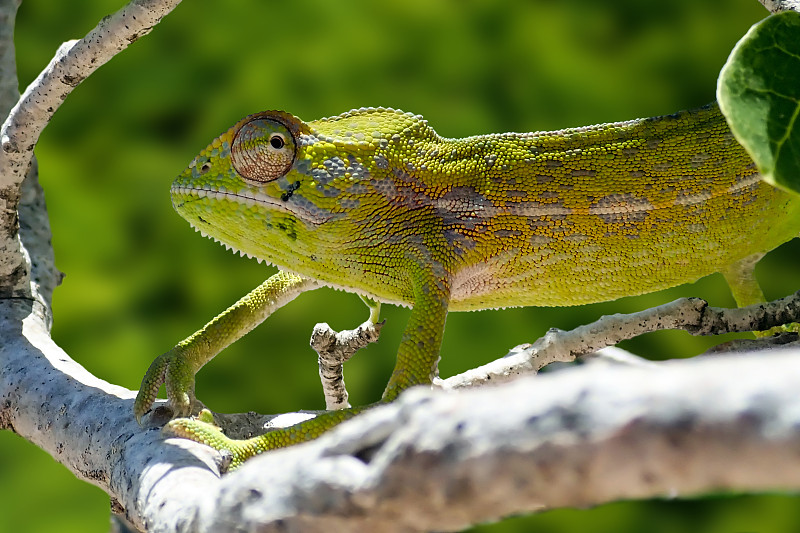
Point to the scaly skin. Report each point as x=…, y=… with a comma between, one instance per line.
x=375, y=202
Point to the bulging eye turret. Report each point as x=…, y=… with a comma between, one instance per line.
x=263, y=150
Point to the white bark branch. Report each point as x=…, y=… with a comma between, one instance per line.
x=690, y=314
x=432, y=460
x=9, y=92
x=443, y=461
x=86, y=423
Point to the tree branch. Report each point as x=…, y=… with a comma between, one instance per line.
x=73, y=62
x=444, y=461
x=333, y=350
x=775, y=6
x=689, y=314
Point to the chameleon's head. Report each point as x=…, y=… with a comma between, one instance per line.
x=239, y=189
x=281, y=189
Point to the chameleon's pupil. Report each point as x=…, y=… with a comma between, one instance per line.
x=276, y=142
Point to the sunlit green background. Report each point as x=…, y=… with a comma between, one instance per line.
x=138, y=279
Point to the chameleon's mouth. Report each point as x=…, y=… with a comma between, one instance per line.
x=182, y=193
x=294, y=205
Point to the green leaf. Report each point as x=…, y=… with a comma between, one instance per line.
x=759, y=94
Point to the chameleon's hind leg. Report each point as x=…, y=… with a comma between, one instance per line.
x=741, y=278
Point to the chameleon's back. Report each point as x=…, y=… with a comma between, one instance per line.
x=588, y=214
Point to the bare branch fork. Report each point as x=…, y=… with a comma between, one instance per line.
x=334, y=349
x=581, y=437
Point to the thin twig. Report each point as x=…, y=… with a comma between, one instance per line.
x=690, y=314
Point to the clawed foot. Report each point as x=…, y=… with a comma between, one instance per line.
x=202, y=429
x=172, y=370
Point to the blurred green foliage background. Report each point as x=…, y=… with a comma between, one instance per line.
x=139, y=280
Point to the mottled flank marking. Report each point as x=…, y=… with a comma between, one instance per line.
x=621, y=207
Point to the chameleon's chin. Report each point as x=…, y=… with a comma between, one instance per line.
x=209, y=213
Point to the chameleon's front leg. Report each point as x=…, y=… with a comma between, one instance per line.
x=418, y=354
x=417, y=358
x=176, y=368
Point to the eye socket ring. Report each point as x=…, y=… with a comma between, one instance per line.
x=263, y=150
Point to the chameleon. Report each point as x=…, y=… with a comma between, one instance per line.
x=375, y=202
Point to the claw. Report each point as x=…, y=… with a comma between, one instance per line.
x=206, y=416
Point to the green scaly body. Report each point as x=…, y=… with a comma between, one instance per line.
x=375, y=202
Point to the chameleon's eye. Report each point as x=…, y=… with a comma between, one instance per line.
x=262, y=150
